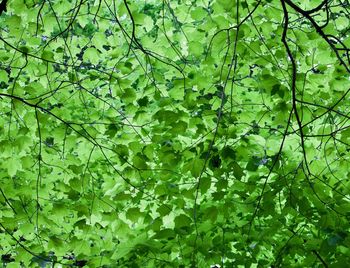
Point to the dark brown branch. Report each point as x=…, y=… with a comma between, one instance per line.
x=3, y=6
x=318, y=29
x=320, y=258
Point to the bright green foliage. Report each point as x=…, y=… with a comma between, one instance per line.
x=174, y=133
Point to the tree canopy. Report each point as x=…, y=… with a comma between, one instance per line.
x=174, y=133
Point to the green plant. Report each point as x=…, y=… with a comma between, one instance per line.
x=174, y=133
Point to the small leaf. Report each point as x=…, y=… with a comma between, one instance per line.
x=165, y=233
x=182, y=221
x=205, y=184
x=13, y=165
x=196, y=167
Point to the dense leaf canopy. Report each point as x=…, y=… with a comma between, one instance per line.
x=174, y=133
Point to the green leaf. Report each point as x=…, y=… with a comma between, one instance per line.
x=196, y=166
x=164, y=234
x=182, y=221
x=47, y=55
x=91, y=55
x=133, y=214
x=174, y=134
x=205, y=184
x=12, y=165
